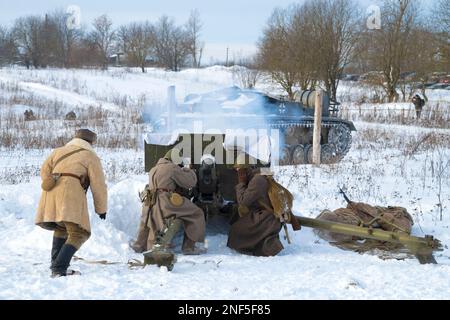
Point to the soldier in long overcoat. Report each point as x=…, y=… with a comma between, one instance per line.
x=64, y=209
x=256, y=230
x=164, y=179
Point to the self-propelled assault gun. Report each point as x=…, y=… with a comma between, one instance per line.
x=235, y=108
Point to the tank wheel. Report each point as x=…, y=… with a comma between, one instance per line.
x=340, y=138
x=327, y=154
x=290, y=131
x=285, y=156
x=299, y=155
x=309, y=154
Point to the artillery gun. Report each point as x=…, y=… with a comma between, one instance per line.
x=215, y=192
x=234, y=108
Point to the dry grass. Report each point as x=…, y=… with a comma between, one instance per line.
x=433, y=116
x=50, y=129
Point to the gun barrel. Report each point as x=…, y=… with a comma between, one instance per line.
x=345, y=196
x=423, y=248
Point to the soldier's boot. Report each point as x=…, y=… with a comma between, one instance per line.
x=62, y=262
x=161, y=254
x=56, y=248
x=189, y=248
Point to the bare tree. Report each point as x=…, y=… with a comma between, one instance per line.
x=8, y=50
x=103, y=37
x=442, y=26
x=29, y=38
x=247, y=73
x=164, y=31
x=274, y=52
x=393, y=43
x=138, y=40
x=442, y=12
x=422, y=60
x=303, y=44
x=301, y=47
x=66, y=38
x=335, y=29
x=171, y=45
x=195, y=46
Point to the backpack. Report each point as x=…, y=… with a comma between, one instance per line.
x=282, y=202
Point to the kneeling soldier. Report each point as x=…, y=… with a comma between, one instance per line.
x=66, y=176
x=256, y=230
x=163, y=217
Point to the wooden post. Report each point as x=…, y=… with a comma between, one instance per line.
x=317, y=127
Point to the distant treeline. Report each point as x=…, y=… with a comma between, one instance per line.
x=51, y=40
x=400, y=45
x=317, y=41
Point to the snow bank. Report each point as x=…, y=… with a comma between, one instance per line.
x=308, y=269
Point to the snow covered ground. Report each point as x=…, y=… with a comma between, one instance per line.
x=388, y=165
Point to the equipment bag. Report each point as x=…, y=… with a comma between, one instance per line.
x=389, y=219
x=395, y=219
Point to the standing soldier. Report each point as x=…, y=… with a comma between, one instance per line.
x=256, y=231
x=66, y=176
x=419, y=103
x=167, y=210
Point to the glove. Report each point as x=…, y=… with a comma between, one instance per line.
x=102, y=216
x=242, y=176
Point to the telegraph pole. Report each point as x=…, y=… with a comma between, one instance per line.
x=228, y=51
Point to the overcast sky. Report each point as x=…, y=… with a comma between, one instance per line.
x=236, y=24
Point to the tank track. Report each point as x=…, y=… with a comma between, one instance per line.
x=338, y=146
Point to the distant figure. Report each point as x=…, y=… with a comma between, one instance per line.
x=419, y=103
x=29, y=115
x=66, y=176
x=71, y=116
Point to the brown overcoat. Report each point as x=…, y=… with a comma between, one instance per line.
x=257, y=232
x=169, y=176
x=67, y=201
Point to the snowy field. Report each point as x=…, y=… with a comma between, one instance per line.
x=389, y=164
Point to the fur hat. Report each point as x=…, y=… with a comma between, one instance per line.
x=86, y=135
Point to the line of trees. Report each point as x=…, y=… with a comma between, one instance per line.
x=41, y=41
x=302, y=45
x=317, y=41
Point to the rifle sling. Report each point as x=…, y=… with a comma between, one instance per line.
x=150, y=208
x=66, y=156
